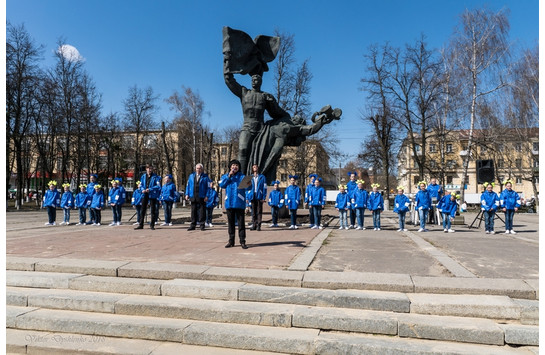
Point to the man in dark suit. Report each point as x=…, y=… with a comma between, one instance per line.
x=196, y=191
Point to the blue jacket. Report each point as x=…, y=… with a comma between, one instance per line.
x=317, y=196
x=52, y=198
x=168, y=192
x=136, y=197
x=67, y=200
x=234, y=197
x=489, y=201
x=261, y=193
x=360, y=198
x=276, y=198
x=351, y=188
x=204, y=185
x=509, y=199
x=98, y=200
x=91, y=188
x=423, y=199
x=308, y=192
x=446, y=205
x=122, y=195
x=115, y=196
x=213, y=198
x=375, y=202
x=436, y=191
x=292, y=197
x=343, y=201
x=401, y=203
x=154, y=185
x=83, y=200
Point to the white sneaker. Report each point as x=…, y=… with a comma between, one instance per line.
x=487, y=232
x=399, y=230
x=112, y=224
x=295, y=227
x=320, y=227
x=492, y=232
x=445, y=230
x=374, y=229
x=346, y=228
x=78, y=224
x=378, y=229
x=310, y=226
x=363, y=228
x=341, y=227
x=512, y=232
x=358, y=228
x=292, y=227
x=351, y=226
x=54, y=224
x=451, y=230
x=118, y=223
x=404, y=230
x=135, y=223
x=507, y=232
x=67, y=223
x=97, y=224
x=210, y=225
x=164, y=224
x=421, y=230
x=272, y=225
x=170, y=224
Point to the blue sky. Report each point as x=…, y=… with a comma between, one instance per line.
x=166, y=44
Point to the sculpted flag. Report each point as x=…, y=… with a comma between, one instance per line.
x=246, y=56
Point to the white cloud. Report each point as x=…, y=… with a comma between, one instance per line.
x=70, y=53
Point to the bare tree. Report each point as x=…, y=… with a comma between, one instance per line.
x=481, y=49
x=22, y=81
x=140, y=107
x=284, y=76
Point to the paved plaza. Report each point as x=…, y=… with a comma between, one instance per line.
x=466, y=253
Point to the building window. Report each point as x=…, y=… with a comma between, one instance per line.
x=415, y=164
x=518, y=180
x=433, y=164
x=500, y=147
x=224, y=165
x=500, y=163
x=416, y=179
x=536, y=163
x=283, y=163
x=223, y=150
x=449, y=180
x=535, y=146
x=432, y=147
x=518, y=163
x=518, y=147
x=451, y=164
x=483, y=149
x=449, y=148
x=283, y=177
x=536, y=179
x=417, y=147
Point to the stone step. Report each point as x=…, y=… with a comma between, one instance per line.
x=458, y=329
x=515, y=288
x=41, y=342
x=480, y=306
x=82, y=325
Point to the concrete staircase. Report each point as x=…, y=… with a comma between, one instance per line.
x=106, y=307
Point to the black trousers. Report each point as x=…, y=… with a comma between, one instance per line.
x=198, y=211
x=257, y=213
x=238, y=215
x=153, y=210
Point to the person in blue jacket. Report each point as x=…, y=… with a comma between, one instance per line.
x=423, y=204
x=401, y=206
x=436, y=193
x=150, y=186
x=292, y=198
x=114, y=196
x=317, y=201
x=448, y=207
x=211, y=203
x=351, y=187
x=509, y=203
x=52, y=199
x=489, y=204
x=97, y=204
x=93, y=180
x=235, y=203
x=195, y=191
x=376, y=205
x=360, y=198
x=167, y=198
x=342, y=204
x=83, y=202
x=257, y=195
x=136, y=202
x=276, y=201
x=308, y=192
x=121, y=199
x=67, y=203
